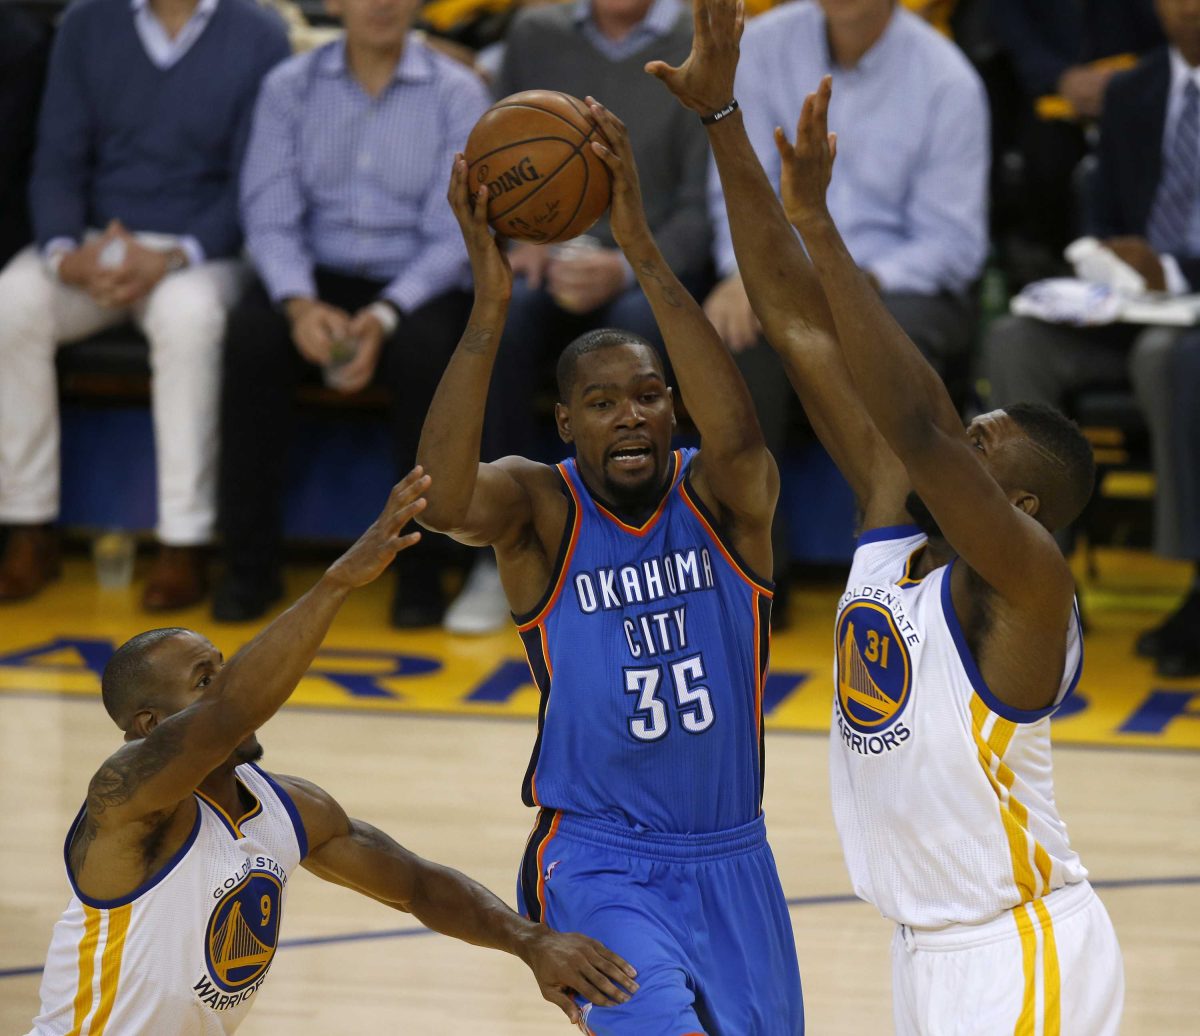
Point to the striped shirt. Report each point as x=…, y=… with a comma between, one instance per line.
x=659, y=21
x=338, y=179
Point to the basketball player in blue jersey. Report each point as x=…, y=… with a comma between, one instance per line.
x=634, y=575
x=180, y=858
x=957, y=636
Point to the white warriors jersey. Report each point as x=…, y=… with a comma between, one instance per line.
x=185, y=953
x=942, y=794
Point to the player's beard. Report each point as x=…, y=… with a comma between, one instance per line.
x=922, y=516
x=630, y=498
x=248, y=751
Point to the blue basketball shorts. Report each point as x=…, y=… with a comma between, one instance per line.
x=702, y=918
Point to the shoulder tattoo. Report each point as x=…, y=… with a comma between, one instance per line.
x=118, y=780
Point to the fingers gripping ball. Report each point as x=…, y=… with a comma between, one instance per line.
x=545, y=183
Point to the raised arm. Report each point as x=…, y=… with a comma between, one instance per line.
x=737, y=468
x=782, y=285
x=476, y=503
x=162, y=768
x=358, y=856
x=909, y=404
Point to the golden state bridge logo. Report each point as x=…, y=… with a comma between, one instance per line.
x=874, y=671
x=243, y=932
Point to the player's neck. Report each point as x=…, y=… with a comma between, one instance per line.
x=222, y=787
x=937, y=553
x=631, y=512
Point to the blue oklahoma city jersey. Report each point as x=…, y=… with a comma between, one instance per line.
x=650, y=651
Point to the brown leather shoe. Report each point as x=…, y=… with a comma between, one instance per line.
x=30, y=561
x=178, y=579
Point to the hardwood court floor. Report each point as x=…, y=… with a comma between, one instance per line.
x=446, y=785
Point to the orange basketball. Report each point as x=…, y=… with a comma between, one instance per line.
x=544, y=181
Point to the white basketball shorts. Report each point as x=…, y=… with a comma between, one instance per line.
x=1045, y=968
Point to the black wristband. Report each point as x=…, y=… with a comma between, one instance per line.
x=720, y=113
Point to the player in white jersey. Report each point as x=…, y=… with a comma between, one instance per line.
x=180, y=858
x=957, y=636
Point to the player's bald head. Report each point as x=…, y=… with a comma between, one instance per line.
x=135, y=676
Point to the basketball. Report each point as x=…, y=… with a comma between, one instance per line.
x=545, y=183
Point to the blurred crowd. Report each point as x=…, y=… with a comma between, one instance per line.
x=259, y=190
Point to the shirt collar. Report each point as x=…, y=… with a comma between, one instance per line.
x=1181, y=72
x=659, y=20
x=203, y=9
x=414, y=66
x=877, y=53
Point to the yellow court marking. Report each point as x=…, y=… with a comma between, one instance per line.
x=59, y=642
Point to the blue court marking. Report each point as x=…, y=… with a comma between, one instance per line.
x=508, y=717
x=795, y=902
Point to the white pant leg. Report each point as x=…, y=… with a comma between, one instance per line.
x=1064, y=978
x=37, y=314
x=906, y=1012
x=184, y=320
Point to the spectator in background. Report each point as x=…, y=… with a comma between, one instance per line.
x=361, y=274
x=1064, y=53
x=134, y=204
x=23, y=48
x=1145, y=205
x=911, y=189
x=595, y=47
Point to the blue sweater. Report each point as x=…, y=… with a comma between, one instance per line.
x=157, y=149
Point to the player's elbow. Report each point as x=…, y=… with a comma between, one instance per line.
x=443, y=516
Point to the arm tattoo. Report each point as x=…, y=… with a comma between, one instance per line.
x=476, y=339
x=669, y=294
x=118, y=780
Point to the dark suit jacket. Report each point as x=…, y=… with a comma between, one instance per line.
x=1045, y=37
x=24, y=46
x=1129, y=158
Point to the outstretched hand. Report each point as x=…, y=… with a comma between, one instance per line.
x=627, y=218
x=704, y=82
x=489, y=265
x=376, y=548
x=567, y=963
x=807, y=165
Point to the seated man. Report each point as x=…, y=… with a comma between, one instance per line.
x=143, y=122
x=595, y=47
x=1145, y=203
x=1064, y=52
x=911, y=193
x=361, y=274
